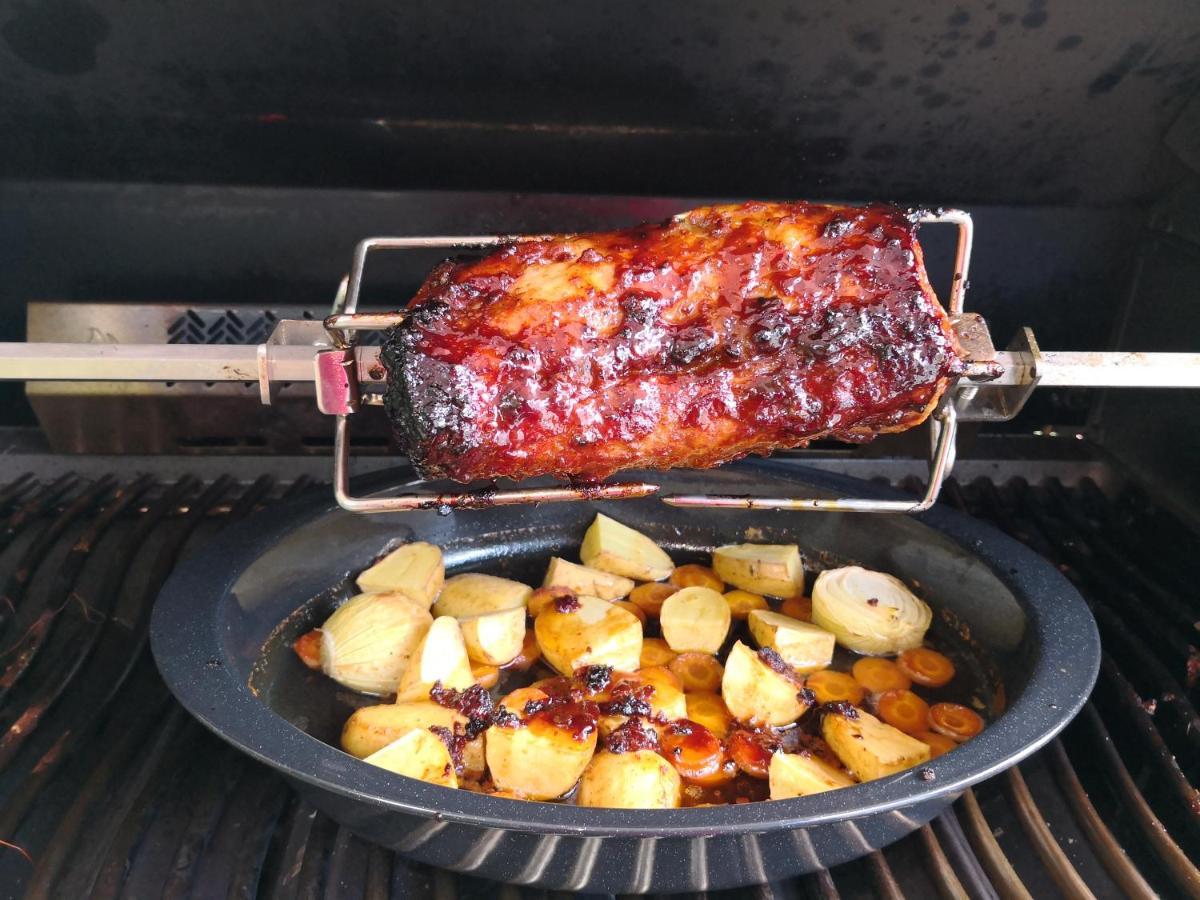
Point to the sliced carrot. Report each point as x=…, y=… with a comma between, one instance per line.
x=938, y=743
x=308, y=648
x=485, y=676
x=693, y=575
x=697, y=671
x=742, y=603
x=696, y=753
x=926, y=667
x=751, y=752
x=656, y=652
x=650, y=597
x=835, y=687
x=904, y=710
x=955, y=721
x=633, y=608
x=878, y=675
x=530, y=653
x=798, y=608
x=710, y=711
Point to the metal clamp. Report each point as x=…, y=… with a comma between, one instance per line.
x=343, y=323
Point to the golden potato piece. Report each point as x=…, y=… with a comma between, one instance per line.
x=612, y=547
x=442, y=656
x=368, y=641
x=536, y=759
x=415, y=570
x=586, y=580
x=695, y=618
x=473, y=594
x=803, y=645
x=371, y=728
x=595, y=633
x=756, y=693
x=418, y=754
x=801, y=774
x=774, y=569
x=870, y=748
x=638, y=780
x=494, y=638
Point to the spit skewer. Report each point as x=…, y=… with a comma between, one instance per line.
x=347, y=375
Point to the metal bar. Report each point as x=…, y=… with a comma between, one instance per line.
x=1072, y=368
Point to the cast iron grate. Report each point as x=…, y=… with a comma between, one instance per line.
x=107, y=788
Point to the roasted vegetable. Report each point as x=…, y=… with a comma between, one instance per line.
x=441, y=657
x=758, y=694
x=869, y=612
x=695, y=618
x=473, y=594
x=650, y=597
x=693, y=575
x=589, y=631
x=532, y=756
x=656, y=652
x=418, y=754
x=805, y=647
x=586, y=580
x=415, y=570
x=742, y=603
x=665, y=698
x=366, y=644
x=494, y=638
x=710, y=711
x=612, y=547
x=801, y=774
x=637, y=780
x=774, y=569
x=371, y=728
x=869, y=748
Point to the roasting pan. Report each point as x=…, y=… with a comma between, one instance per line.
x=223, y=624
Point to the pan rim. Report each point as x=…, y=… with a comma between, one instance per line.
x=185, y=624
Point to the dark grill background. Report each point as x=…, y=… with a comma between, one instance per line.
x=112, y=790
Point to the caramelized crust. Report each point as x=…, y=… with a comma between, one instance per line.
x=725, y=331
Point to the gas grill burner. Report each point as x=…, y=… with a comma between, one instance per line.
x=347, y=376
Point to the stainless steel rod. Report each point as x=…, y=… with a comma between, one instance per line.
x=1109, y=369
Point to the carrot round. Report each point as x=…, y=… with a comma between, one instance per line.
x=798, y=608
x=693, y=575
x=650, y=597
x=835, y=687
x=938, y=743
x=308, y=648
x=710, y=711
x=632, y=607
x=696, y=753
x=751, y=753
x=697, y=671
x=485, y=676
x=656, y=652
x=878, y=675
x=954, y=721
x=926, y=667
x=903, y=710
x=742, y=603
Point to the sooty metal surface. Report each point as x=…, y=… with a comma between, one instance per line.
x=107, y=787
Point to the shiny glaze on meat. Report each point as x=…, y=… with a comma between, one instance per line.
x=727, y=330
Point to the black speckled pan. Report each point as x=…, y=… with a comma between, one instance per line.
x=224, y=620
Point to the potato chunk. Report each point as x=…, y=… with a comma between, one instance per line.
x=369, y=640
x=594, y=633
x=756, y=693
x=418, y=754
x=638, y=780
x=415, y=570
x=473, y=594
x=695, y=618
x=869, y=748
x=536, y=759
x=372, y=728
x=442, y=656
x=585, y=580
x=612, y=547
x=774, y=569
x=804, y=646
x=801, y=774
x=494, y=638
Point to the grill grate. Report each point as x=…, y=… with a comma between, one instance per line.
x=240, y=326
x=113, y=790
